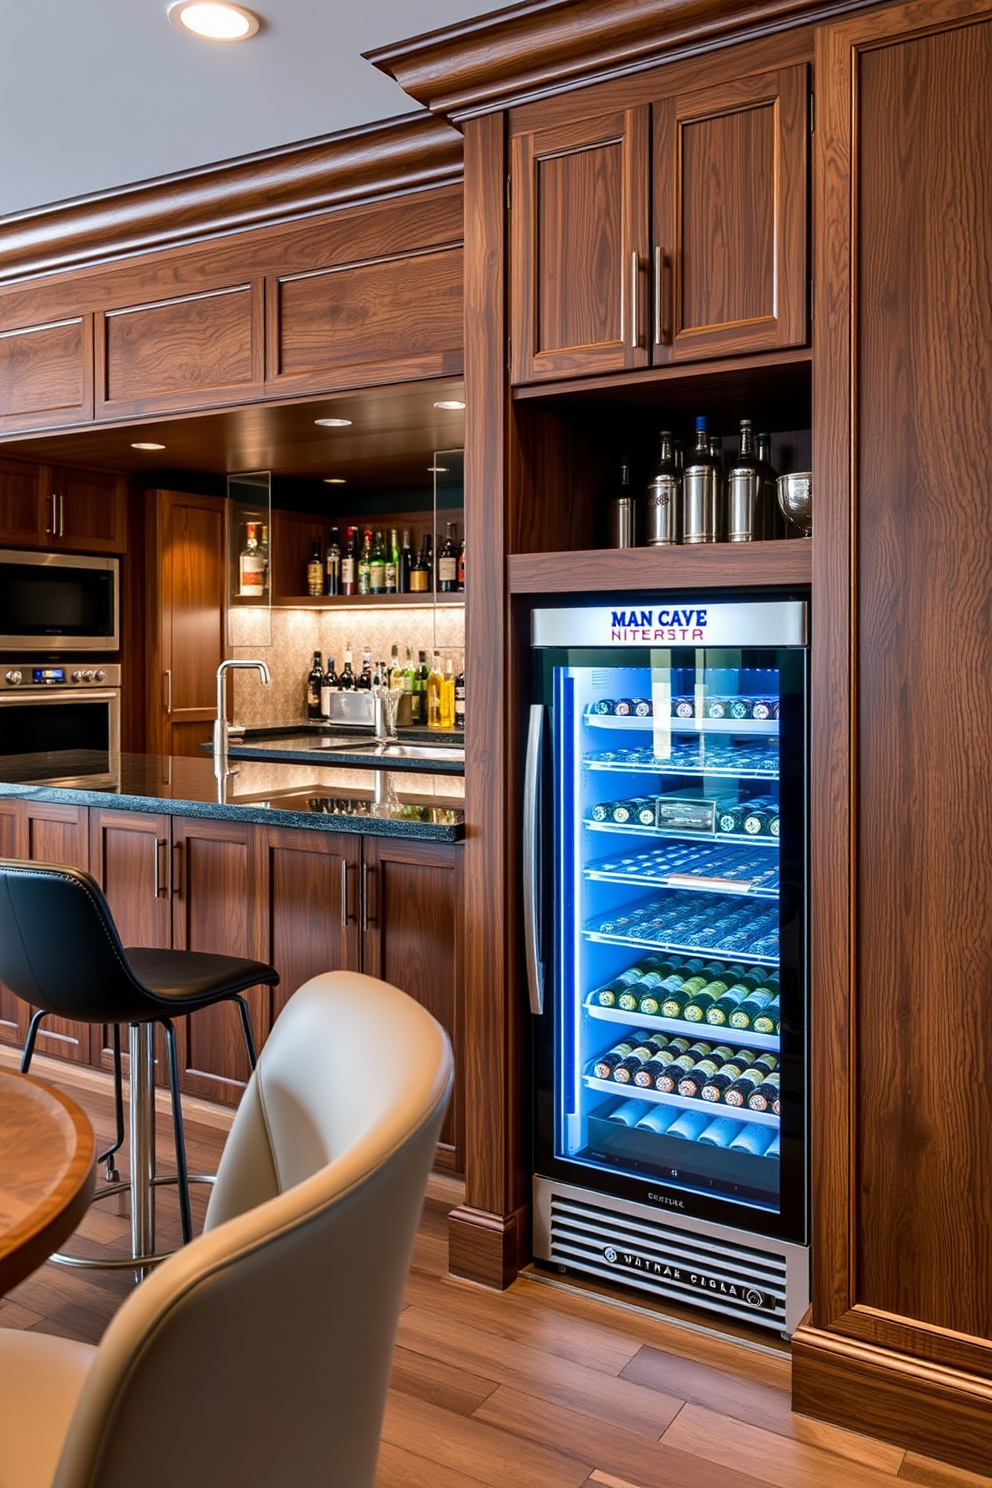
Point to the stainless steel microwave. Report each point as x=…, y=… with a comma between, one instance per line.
x=58, y=602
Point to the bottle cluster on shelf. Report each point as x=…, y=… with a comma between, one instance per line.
x=253, y=562
x=685, y=812
x=676, y=920
x=697, y=1126
x=369, y=561
x=694, y=865
x=695, y=1069
x=693, y=497
x=695, y=992
x=700, y=756
x=436, y=691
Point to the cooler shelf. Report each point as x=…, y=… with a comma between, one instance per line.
x=686, y=1103
x=720, y=1032
x=658, y=766
x=627, y=723
x=682, y=836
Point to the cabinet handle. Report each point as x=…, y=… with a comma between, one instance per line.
x=61, y=516
x=532, y=859
x=50, y=514
x=177, y=870
x=160, y=843
x=635, y=317
x=346, y=914
x=167, y=679
x=368, y=908
x=661, y=333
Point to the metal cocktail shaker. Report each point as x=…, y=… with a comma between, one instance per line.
x=663, y=502
x=701, y=492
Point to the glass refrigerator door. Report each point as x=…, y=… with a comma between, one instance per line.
x=678, y=823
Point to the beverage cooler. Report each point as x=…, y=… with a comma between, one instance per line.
x=665, y=863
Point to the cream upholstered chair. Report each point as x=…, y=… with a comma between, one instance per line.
x=258, y=1356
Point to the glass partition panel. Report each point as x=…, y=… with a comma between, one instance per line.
x=249, y=559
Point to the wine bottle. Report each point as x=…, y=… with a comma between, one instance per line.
x=332, y=565
x=419, y=574
x=404, y=563
x=435, y=683
x=349, y=575
x=315, y=571
x=364, y=681
x=346, y=681
x=252, y=564
x=365, y=565
x=328, y=684
x=447, y=562
x=461, y=567
x=460, y=699
x=744, y=492
x=314, y=681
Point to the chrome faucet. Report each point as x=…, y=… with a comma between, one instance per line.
x=384, y=704
x=222, y=728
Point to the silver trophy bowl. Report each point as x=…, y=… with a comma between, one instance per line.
x=795, y=497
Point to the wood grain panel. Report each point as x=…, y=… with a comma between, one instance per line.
x=924, y=884
x=730, y=217
x=130, y=860
x=413, y=912
x=93, y=510
x=58, y=834
x=46, y=374
x=21, y=503
x=178, y=352
x=12, y=1010
x=724, y=565
x=395, y=318
x=579, y=243
x=216, y=888
x=305, y=911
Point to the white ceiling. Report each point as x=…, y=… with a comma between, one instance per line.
x=100, y=93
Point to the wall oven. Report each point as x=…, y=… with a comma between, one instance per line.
x=60, y=724
x=57, y=602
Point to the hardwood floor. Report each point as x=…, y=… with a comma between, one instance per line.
x=542, y=1386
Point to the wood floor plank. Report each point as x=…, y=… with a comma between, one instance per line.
x=601, y=1396
x=646, y=1463
x=438, y=1383
x=483, y=1453
x=933, y=1474
x=772, y=1458
x=400, y=1468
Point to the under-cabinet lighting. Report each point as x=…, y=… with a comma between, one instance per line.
x=147, y=446
x=449, y=403
x=214, y=21
x=335, y=480
x=333, y=423
x=437, y=469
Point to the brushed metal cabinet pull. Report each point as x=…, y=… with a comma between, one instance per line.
x=346, y=914
x=658, y=264
x=167, y=679
x=368, y=905
x=61, y=516
x=635, y=315
x=160, y=888
x=50, y=514
x=177, y=870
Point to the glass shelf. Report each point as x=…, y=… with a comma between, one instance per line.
x=762, y=727
x=746, y=1037
x=744, y=1114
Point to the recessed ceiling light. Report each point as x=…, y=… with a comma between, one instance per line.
x=438, y=469
x=330, y=423
x=335, y=480
x=148, y=446
x=449, y=403
x=215, y=21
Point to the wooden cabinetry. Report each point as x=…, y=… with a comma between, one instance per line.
x=671, y=231
x=52, y=507
x=185, y=596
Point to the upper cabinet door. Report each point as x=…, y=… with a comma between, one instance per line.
x=580, y=215
x=88, y=510
x=730, y=205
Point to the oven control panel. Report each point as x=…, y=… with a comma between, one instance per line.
x=28, y=675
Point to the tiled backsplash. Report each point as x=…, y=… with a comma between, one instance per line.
x=297, y=634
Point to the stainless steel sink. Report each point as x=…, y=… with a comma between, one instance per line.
x=394, y=750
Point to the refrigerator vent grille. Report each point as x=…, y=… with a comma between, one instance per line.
x=683, y=1265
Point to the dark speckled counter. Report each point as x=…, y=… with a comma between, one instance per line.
x=325, y=744
x=370, y=803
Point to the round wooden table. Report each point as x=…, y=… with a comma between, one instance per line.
x=47, y=1173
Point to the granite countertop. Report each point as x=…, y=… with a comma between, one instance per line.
x=415, y=749
x=367, y=802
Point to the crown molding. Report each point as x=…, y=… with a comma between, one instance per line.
x=392, y=156
x=542, y=45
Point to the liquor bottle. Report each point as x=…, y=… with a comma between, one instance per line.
x=435, y=685
x=663, y=502
x=404, y=563
x=461, y=568
x=420, y=686
x=460, y=700
x=377, y=566
x=766, y=1097
x=252, y=564
x=701, y=492
x=725, y=1076
x=692, y=1081
x=332, y=565
x=447, y=562
x=346, y=682
x=314, y=681
x=349, y=576
x=364, y=681
x=745, y=489
x=392, y=563
x=774, y=517
x=315, y=571
x=364, y=565
x=409, y=681
x=427, y=553
x=328, y=684
x=420, y=575
x=606, y=1063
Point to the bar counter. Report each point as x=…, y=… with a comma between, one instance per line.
x=367, y=802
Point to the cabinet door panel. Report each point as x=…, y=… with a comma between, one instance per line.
x=12, y=1011
x=387, y=320
x=21, y=488
x=46, y=374
x=58, y=834
x=730, y=218
x=181, y=353
x=92, y=512
x=313, y=906
x=412, y=913
x=580, y=232
x=215, y=887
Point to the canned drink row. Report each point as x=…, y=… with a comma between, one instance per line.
x=720, y=1131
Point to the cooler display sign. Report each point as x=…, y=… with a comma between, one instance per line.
x=672, y=623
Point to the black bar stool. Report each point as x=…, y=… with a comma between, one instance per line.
x=60, y=952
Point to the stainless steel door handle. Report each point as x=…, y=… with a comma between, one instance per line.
x=532, y=859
